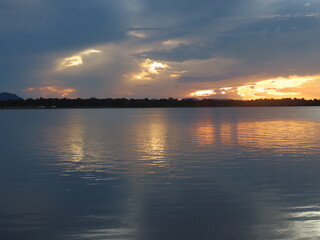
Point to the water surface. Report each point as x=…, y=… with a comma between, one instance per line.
x=155, y=174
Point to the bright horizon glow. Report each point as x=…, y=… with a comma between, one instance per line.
x=279, y=87
x=275, y=87
x=203, y=93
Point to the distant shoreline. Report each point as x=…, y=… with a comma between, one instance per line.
x=94, y=103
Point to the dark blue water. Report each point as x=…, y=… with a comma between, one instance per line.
x=160, y=174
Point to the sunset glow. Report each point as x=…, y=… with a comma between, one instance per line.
x=52, y=91
x=261, y=49
x=203, y=93
x=280, y=87
x=275, y=88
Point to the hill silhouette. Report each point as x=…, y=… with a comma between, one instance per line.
x=9, y=96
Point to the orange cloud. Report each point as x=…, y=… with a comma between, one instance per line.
x=280, y=87
x=51, y=91
x=275, y=88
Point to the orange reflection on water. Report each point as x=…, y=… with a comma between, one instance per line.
x=208, y=133
x=204, y=134
x=226, y=133
x=274, y=135
x=278, y=135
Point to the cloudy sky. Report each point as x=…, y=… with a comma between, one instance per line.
x=241, y=49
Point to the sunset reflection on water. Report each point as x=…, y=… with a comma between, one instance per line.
x=151, y=139
x=281, y=136
x=130, y=173
x=150, y=143
x=208, y=133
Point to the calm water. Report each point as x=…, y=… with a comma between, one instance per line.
x=160, y=174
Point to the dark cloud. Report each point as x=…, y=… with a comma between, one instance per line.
x=33, y=28
x=213, y=78
x=297, y=7
x=192, y=13
x=247, y=38
x=275, y=44
x=182, y=52
x=56, y=25
x=270, y=45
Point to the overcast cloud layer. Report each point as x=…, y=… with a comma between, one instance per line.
x=152, y=48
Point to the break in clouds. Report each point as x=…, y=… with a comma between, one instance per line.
x=145, y=48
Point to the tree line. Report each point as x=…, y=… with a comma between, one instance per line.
x=151, y=103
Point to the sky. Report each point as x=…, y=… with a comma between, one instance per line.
x=239, y=49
